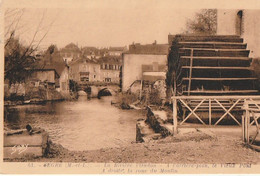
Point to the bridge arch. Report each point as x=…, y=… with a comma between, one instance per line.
x=105, y=92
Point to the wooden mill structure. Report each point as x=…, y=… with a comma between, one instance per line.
x=211, y=77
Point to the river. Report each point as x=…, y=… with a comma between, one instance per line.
x=79, y=125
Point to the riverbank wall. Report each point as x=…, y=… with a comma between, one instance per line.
x=156, y=125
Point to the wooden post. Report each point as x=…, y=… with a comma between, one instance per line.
x=246, y=123
x=191, y=63
x=209, y=111
x=175, y=130
x=243, y=127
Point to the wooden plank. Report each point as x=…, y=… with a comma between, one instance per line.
x=224, y=68
x=192, y=112
x=191, y=63
x=246, y=127
x=212, y=49
x=210, y=42
x=243, y=127
x=251, y=101
x=220, y=79
x=221, y=91
x=209, y=111
x=227, y=112
x=257, y=129
x=224, y=97
x=255, y=147
x=218, y=58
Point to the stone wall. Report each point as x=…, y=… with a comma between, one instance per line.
x=132, y=66
x=227, y=25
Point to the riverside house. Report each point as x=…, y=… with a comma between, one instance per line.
x=110, y=67
x=70, y=52
x=84, y=70
x=144, y=62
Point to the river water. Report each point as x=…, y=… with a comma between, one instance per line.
x=79, y=125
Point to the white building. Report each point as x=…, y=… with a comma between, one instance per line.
x=140, y=56
x=245, y=23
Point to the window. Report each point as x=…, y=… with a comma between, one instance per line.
x=110, y=67
x=94, y=76
x=106, y=66
x=239, y=23
x=84, y=76
x=84, y=79
x=107, y=79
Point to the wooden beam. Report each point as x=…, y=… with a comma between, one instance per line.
x=192, y=112
x=243, y=127
x=257, y=128
x=224, y=97
x=209, y=111
x=218, y=58
x=221, y=79
x=211, y=42
x=221, y=91
x=191, y=63
x=212, y=49
x=226, y=68
x=247, y=126
x=227, y=112
x=255, y=103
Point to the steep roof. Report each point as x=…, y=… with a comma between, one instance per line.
x=71, y=48
x=53, y=61
x=81, y=59
x=88, y=50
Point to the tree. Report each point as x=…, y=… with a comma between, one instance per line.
x=205, y=22
x=19, y=58
x=18, y=61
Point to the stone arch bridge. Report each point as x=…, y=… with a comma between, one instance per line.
x=96, y=91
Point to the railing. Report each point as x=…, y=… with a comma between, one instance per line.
x=251, y=111
x=211, y=104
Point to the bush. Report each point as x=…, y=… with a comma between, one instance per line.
x=125, y=99
x=154, y=97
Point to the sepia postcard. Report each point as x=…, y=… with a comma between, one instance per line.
x=130, y=87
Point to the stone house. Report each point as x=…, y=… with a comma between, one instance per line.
x=84, y=70
x=46, y=75
x=70, y=52
x=91, y=52
x=110, y=67
x=144, y=62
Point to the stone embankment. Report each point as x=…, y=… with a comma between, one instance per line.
x=156, y=125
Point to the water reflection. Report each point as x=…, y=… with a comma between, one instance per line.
x=79, y=125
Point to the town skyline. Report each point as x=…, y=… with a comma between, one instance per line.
x=94, y=26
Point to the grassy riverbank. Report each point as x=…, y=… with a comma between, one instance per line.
x=193, y=147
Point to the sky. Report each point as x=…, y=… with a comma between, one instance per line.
x=101, y=25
